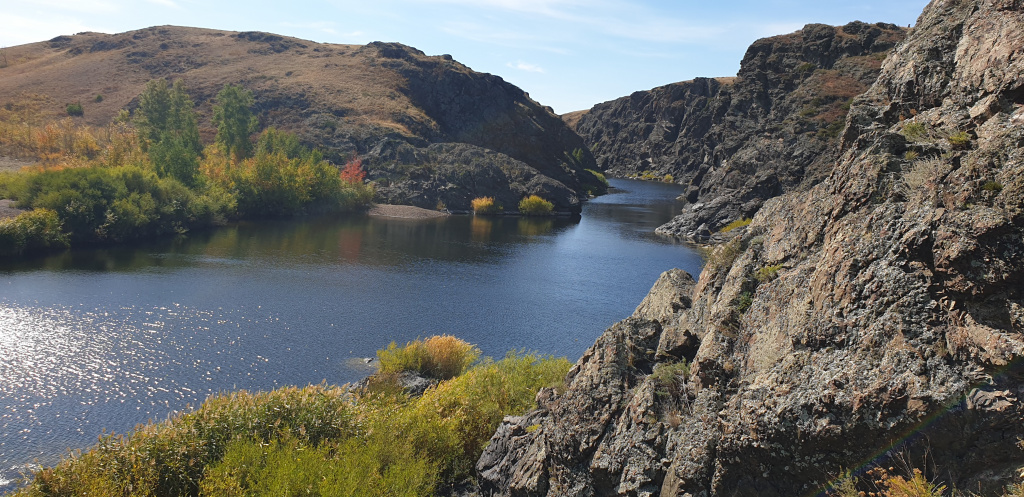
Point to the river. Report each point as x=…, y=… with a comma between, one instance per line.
x=104, y=339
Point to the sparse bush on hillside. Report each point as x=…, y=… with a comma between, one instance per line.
x=767, y=273
x=914, y=131
x=484, y=205
x=721, y=257
x=535, y=206
x=806, y=67
x=98, y=99
x=960, y=140
x=992, y=186
x=74, y=109
x=670, y=376
x=921, y=178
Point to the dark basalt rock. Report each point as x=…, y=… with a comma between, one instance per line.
x=736, y=142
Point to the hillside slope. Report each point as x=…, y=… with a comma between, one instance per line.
x=736, y=142
x=875, y=319
x=384, y=101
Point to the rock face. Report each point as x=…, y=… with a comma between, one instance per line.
x=736, y=142
x=877, y=315
x=411, y=117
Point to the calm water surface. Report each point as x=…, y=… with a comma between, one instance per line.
x=104, y=339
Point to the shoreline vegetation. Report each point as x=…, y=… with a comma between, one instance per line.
x=371, y=438
x=148, y=175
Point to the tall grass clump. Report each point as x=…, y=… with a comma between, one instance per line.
x=535, y=206
x=440, y=356
x=484, y=205
x=739, y=223
x=960, y=140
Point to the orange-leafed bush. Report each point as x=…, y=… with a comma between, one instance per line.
x=353, y=172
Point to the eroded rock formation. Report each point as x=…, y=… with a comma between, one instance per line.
x=736, y=142
x=880, y=312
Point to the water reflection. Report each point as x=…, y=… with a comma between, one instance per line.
x=352, y=238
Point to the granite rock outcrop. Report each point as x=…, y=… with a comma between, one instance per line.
x=875, y=317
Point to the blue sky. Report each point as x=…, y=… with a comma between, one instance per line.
x=569, y=54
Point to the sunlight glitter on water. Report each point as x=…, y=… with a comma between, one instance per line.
x=66, y=369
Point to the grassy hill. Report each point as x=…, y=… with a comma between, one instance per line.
x=387, y=102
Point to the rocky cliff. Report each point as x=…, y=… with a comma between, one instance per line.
x=413, y=118
x=736, y=142
x=874, y=319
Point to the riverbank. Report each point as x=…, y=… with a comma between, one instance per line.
x=404, y=212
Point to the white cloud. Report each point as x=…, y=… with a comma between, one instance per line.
x=523, y=66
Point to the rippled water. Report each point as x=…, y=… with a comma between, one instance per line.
x=105, y=339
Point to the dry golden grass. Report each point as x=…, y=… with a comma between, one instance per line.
x=440, y=356
x=346, y=83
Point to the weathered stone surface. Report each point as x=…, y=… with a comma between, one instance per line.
x=736, y=142
x=881, y=306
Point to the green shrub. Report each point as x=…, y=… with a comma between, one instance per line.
x=39, y=229
x=484, y=205
x=668, y=178
x=744, y=301
x=910, y=155
x=74, y=109
x=440, y=357
x=98, y=99
x=806, y=67
x=767, y=273
x=669, y=377
x=914, y=131
x=960, y=140
x=535, y=206
x=97, y=204
x=992, y=186
x=739, y=223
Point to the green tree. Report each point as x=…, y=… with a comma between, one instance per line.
x=232, y=115
x=167, y=123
